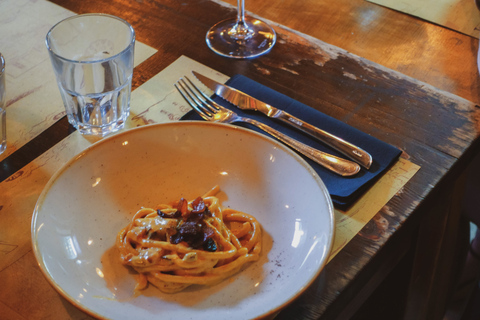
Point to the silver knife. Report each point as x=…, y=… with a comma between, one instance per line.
x=246, y=102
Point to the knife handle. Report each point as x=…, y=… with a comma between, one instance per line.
x=338, y=165
x=351, y=151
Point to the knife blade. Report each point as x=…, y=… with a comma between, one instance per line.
x=246, y=102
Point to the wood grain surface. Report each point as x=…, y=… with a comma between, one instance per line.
x=405, y=81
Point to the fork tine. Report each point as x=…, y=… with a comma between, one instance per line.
x=182, y=89
x=206, y=100
x=212, y=106
x=188, y=93
x=201, y=102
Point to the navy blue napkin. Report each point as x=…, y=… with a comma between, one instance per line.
x=343, y=190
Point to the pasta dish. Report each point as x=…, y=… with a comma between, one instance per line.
x=198, y=242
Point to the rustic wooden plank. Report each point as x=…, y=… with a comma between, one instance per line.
x=430, y=53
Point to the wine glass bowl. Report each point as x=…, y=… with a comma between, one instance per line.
x=241, y=37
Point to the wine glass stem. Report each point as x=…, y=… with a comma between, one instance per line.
x=240, y=30
x=241, y=11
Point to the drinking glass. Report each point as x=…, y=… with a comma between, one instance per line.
x=3, y=114
x=92, y=56
x=241, y=37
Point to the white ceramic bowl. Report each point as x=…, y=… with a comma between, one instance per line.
x=94, y=195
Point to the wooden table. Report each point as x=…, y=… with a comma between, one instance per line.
x=416, y=232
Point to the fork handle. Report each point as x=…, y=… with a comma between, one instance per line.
x=338, y=165
x=351, y=151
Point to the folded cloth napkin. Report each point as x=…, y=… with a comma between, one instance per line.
x=343, y=190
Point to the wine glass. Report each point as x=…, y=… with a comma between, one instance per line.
x=241, y=37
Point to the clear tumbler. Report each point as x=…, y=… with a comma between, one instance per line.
x=3, y=113
x=92, y=57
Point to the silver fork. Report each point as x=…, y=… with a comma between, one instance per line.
x=212, y=111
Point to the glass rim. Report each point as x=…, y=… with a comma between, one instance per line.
x=51, y=51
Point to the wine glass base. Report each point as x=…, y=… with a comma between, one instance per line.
x=259, y=39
